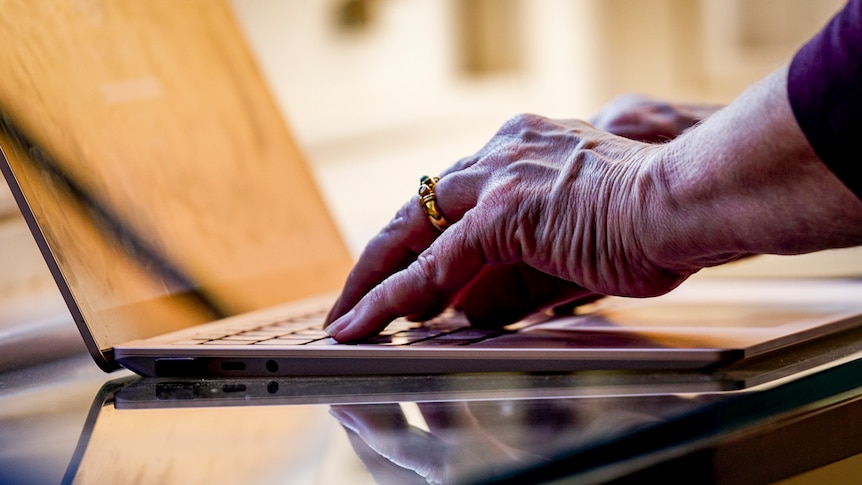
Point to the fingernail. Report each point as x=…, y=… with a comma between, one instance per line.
x=343, y=321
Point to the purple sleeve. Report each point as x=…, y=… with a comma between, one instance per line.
x=825, y=89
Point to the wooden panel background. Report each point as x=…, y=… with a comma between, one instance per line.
x=157, y=110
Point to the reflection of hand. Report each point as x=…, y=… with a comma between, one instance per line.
x=470, y=438
x=648, y=119
x=392, y=450
x=396, y=452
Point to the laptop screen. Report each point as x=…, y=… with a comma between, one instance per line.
x=156, y=165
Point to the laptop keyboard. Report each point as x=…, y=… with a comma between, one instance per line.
x=308, y=330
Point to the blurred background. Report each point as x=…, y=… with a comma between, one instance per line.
x=380, y=92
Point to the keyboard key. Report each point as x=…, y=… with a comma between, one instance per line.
x=465, y=336
x=280, y=341
x=324, y=341
x=189, y=341
x=241, y=339
x=228, y=342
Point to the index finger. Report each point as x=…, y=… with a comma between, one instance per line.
x=404, y=238
x=449, y=264
x=391, y=250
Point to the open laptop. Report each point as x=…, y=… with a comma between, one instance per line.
x=178, y=216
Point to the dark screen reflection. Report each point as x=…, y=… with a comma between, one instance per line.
x=452, y=440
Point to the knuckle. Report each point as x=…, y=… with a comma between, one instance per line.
x=397, y=224
x=402, y=215
x=584, y=144
x=519, y=122
x=460, y=165
x=426, y=268
x=501, y=221
x=377, y=296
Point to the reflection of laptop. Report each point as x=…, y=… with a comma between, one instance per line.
x=570, y=424
x=165, y=192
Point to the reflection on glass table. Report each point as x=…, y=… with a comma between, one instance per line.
x=241, y=431
x=433, y=429
x=446, y=442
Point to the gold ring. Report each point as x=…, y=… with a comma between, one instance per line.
x=428, y=202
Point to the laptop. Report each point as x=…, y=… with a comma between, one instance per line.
x=188, y=238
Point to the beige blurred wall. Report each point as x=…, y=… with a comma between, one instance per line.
x=409, y=61
x=410, y=86
x=700, y=49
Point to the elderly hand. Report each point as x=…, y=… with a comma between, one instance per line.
x=648, y=119
x=547, y=212
x=554, y=211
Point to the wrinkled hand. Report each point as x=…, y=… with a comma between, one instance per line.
x=547, y=212
x=554, y=211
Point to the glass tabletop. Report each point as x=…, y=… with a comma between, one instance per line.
x=67, y=422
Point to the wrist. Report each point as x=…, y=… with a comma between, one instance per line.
x=685, y=223
x=746, y=182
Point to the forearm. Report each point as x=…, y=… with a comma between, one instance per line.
x=746, y=181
